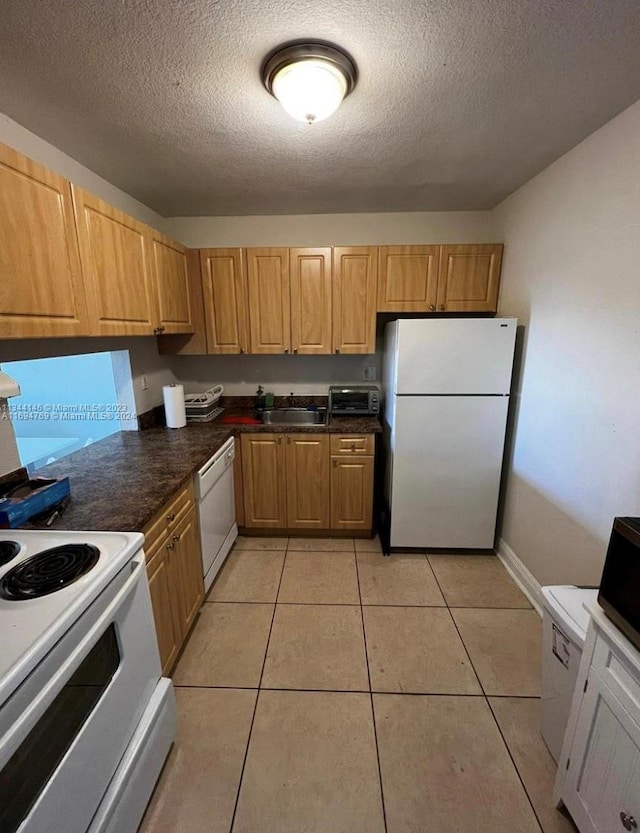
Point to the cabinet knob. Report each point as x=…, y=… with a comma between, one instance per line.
x=170, y=546
x=337, y=349
x=171, y=517
x=628, y=822
x=295, y=349
x=176, y=537
x=432, y=307
x=242, y=350
x=280, y=440
x=286, y=349
x=441, y=307
x=288, y=440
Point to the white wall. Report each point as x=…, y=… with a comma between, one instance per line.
x=571, y=275
x=335, y=229
x=241, y=375
x=23, y=140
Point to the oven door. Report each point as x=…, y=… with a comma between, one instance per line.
x=63, y=732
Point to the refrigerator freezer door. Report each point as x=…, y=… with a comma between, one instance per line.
x=455, y=355
x=446, y=470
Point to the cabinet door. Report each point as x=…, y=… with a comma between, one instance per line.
x=355, y=281
x=164, y=609
x=351, y=492
x=41, y=289
x=194, y=343
x=171, y=280
x=188, y=556
x=469, y=277
x=602, y=784
x=307, y=481
x=310, y=271
x=407, y=278
x=115, y=251
x=269, y=310
x=224, y=285
x=263, y=480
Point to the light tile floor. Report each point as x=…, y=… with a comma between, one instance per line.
x=328, y=689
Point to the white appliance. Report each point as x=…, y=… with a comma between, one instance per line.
x=446, y=387
x=217, y=510
x=564, y=628
x=86, y=720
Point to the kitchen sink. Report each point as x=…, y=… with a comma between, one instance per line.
x=294, y=416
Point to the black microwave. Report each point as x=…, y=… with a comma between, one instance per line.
x=619, y=594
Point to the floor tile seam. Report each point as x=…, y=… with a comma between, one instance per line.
x=255, y=705
x=371, y=706
x=455, y=625
x=515, y=766
x=342, y=691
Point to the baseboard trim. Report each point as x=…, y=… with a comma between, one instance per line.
x=520, y=574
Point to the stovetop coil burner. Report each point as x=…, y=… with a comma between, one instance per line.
x=8, y=551
x=48, y=571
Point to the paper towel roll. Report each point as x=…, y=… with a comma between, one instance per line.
x=174, y=406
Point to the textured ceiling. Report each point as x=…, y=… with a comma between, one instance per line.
x=458, y=101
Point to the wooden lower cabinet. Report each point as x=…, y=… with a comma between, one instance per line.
x=174, y=570
x=263, y=480
x=307, y=474
x=307, y=481
x=188, y=557
x=351, y=492
x=162, y=580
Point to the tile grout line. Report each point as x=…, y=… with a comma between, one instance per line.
x=373, y=714
x=255, y=707
x=515, y=766
x=491, y=712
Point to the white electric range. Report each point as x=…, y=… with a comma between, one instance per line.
x=86, y=720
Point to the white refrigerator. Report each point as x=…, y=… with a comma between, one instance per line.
x=446, y=390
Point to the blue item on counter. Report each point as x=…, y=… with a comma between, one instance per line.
x=31, y=498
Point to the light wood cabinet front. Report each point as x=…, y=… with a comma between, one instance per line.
x=307, y=457
x=407, y=278
x=469, y=277
x=264, y=480
x=188, y=556
x=310, y=271
x=41, y=288
x=171, y=279
x=355, y=278
x=224, y=284
x=351, y=492
x=115, y=252
x=162, y=588
x=269, y=305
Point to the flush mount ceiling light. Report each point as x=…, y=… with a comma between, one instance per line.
x=309, y=79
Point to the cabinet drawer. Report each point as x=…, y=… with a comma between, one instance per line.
x=168, y=518
x=352, y=444
x=618, y=674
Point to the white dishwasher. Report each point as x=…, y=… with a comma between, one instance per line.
x=216, y=504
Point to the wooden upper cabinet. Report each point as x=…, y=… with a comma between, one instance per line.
x=171, y=279
x=310, y=282
x=269, y=309
x=307, y=457
x=407, y=278
x=41, y=290
x=115, y=251
x=355, y=278
x=224, y=285
x=469, y=278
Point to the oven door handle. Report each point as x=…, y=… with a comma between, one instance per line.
x=12, y=739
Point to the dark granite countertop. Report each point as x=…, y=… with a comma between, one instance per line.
x=119, y=483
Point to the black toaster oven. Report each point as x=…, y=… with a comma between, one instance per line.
x=357, y=400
